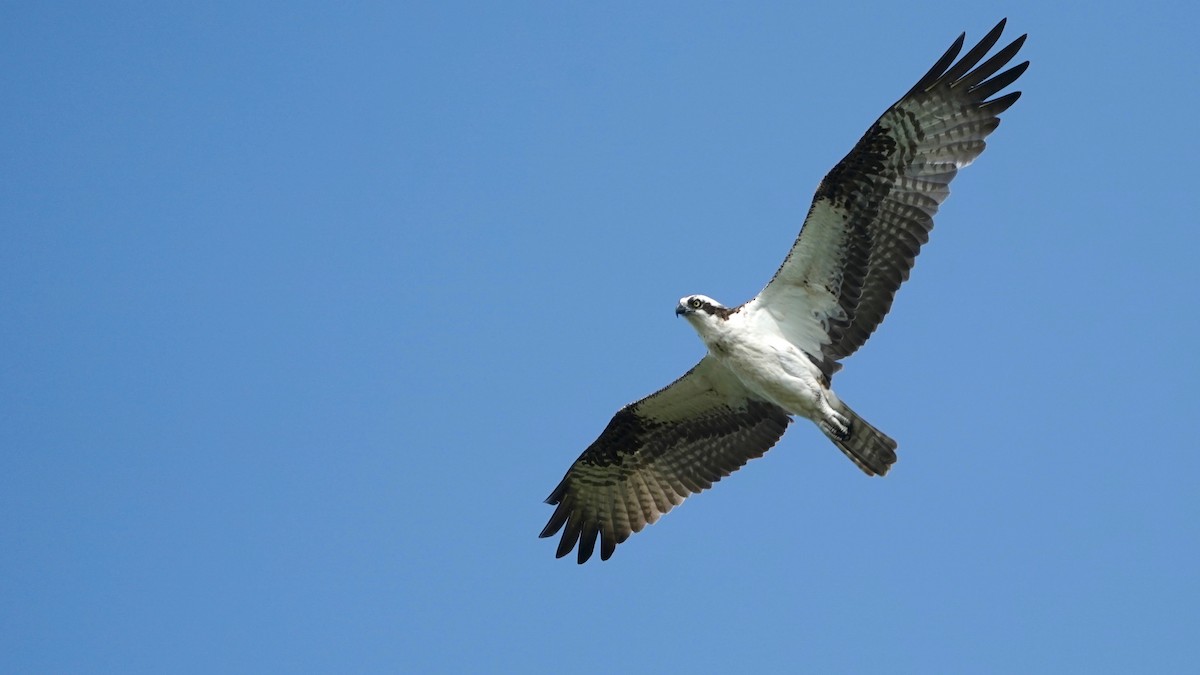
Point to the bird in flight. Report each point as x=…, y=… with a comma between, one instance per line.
x=774, y=356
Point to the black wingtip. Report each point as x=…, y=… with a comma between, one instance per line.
x=607, y=545
x=570, y=536
x=941, y=65
x=557, y=520
x=999, y=105
x=973, y=56
x=985, y=89
x=587, y=541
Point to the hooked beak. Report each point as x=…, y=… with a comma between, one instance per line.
x=682, y=310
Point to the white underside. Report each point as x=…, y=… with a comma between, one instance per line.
x=752, y=345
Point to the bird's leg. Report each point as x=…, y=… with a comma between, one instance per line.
x=833, y=422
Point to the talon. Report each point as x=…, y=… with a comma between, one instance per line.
x=837, y=426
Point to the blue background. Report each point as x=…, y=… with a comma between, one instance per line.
x=305, y=308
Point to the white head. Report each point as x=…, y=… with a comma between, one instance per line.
x=701, y=311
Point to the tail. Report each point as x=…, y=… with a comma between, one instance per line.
x=872, y=450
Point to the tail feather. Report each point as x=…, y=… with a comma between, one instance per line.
x=872, y=450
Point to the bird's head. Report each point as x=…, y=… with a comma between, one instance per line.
x=701, y=309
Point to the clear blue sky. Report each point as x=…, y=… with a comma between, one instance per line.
x=304, y=309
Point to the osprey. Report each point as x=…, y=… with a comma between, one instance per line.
x=774, y=356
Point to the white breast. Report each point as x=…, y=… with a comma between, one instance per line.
x=754, y=348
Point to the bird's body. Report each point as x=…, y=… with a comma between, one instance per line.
x=751, y=344
x=775, y=356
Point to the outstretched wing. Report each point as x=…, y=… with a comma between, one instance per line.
x=656, y=452
x=874, y=210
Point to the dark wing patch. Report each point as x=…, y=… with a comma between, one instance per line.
x=874, y=210
x=657, y=452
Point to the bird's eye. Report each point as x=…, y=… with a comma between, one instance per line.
x=695, y=303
